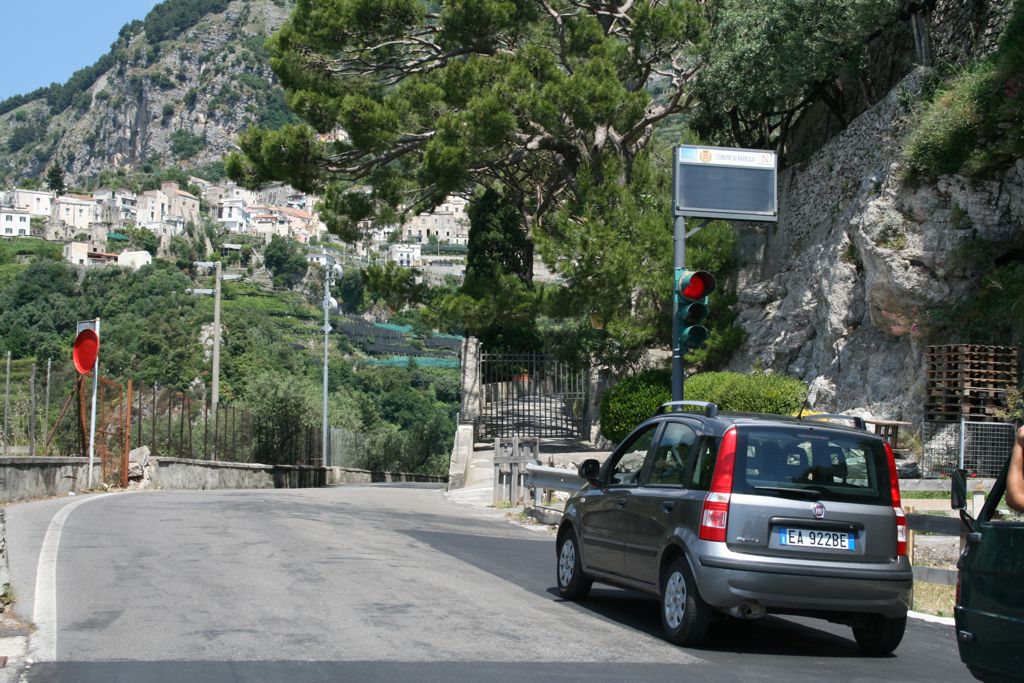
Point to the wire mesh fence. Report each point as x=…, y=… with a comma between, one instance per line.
x=174, y=423
x=979, y=447
x=47, y=411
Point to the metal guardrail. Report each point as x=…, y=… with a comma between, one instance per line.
x=544, y=478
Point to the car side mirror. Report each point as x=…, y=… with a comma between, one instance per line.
x=590, y=471
x=958, y=490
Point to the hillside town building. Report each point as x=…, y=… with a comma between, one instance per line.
x=15, y=223
x=95, y=225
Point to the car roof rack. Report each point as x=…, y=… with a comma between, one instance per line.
x=710, y=409
x=858, y=422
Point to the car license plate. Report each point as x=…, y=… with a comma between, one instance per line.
x=813, y=538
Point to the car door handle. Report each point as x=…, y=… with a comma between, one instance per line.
x=668, y=506
x=621, y=502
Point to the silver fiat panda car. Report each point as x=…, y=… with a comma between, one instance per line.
x=744, y=515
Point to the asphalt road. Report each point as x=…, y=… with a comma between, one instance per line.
x=375, y=583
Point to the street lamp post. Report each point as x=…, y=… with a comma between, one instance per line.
x=328, y=282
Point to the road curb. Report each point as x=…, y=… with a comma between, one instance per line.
x=14, y=640
x=947, y=621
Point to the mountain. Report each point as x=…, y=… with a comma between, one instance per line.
x=175, y=89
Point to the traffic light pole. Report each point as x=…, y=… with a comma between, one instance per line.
x=679, y=263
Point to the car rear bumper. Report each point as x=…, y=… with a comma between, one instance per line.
x=727, y=582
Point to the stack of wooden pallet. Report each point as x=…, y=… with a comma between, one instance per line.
x=968, y=380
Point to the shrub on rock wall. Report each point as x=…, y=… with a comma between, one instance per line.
x=636, y=398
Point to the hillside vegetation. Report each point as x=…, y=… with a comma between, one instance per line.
x=271, y=358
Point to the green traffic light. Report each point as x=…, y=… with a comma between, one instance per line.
x=694, y=336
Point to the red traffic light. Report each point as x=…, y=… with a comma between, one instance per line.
x=696, y=284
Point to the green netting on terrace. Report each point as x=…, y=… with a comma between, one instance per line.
x=421, y=361
x=404, y=329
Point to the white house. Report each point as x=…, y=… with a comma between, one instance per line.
x=76, y=211
x=36, y=202
x=232, y=215
x=152, y=206
x=180, y=204
x=77, y=253
x=15, y=223
x=448, y=223
x=116, y=207
x=248, y=197
x=407, y=255
x=266, y=223
x=325, y=261
x=134, y=259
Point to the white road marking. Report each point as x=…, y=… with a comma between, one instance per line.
x=43, y=643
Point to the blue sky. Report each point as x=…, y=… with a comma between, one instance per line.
x=48, y=40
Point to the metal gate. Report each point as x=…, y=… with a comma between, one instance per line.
x=531, y=394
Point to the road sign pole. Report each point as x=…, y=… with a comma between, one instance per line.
x=678, y=263
x=92, y=418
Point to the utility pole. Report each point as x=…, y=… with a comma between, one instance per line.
x=7, y=404
x=46, y=412
x=32, y=411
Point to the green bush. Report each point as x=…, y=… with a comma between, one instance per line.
x=633, y=400
x=636, y=398
x=742, y=393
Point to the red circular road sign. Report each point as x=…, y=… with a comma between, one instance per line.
x=85, y=350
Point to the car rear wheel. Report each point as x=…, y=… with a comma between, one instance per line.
x=573, y=584
x=684, y=614
x=879, y=635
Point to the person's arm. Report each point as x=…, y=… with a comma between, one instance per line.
x=1015, y=477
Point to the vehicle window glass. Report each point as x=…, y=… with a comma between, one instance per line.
x=671, y=457
x=626, y=468
x=704, y=468
x=815, y=463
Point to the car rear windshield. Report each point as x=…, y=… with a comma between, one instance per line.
x=811, y=463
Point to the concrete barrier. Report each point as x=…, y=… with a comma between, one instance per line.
x=182, y=473
x=27, y=477
x=42, y=477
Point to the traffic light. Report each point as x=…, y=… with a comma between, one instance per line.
x=692, y=290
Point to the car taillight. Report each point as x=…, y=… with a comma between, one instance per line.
x=714, y=517
x=897, y=504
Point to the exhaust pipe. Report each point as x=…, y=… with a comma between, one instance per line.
x=747, y=610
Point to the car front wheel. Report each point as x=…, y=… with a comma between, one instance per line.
x=684, y=614
x=573, y=584
x=879, y=635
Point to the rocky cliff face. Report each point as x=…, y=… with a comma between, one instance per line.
x=836, y=292
x=178, y=102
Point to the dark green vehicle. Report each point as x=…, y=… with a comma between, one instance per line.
x=990, y=588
